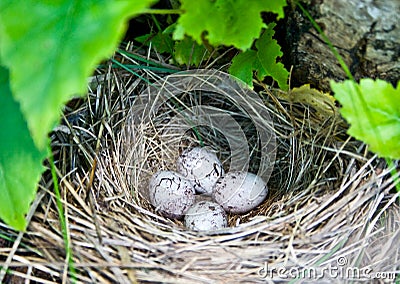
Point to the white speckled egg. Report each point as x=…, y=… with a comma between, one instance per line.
x=171, y=194
x=239, y=192
x=201, y=167
x=205, y=216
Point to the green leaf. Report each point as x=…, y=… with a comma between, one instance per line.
x=262, y=61
x=20, y=161
x=51, y=47
x=242, y=66
x=189, y=52
x=225, y=22
x=266, y=65
x=161, y=41
x=373, y=111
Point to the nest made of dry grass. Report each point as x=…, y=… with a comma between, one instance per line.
x=331, y=203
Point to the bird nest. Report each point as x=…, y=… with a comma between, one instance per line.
x=331, y=213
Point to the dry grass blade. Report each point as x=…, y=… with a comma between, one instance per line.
x=330, y=201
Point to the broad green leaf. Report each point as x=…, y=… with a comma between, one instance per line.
x=373, y=111
x=262, y=61
x=242, y=66
x=51, y=47
x=268, y=51
x=225, y=22
x=189, y=52
x=20, y=161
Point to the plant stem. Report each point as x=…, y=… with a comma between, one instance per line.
x=68, y=250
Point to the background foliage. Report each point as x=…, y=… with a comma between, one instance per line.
x=261, y=60
x=225, y=22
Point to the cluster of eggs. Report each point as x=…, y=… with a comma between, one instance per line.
x=199, y=171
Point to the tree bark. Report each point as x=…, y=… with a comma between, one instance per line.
x=366, y=33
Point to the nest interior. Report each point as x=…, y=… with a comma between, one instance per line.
x=331, y=203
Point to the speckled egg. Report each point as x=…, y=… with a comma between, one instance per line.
x=205, y=216
x=201, y=167
x=239, y=192
x=171, y=194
